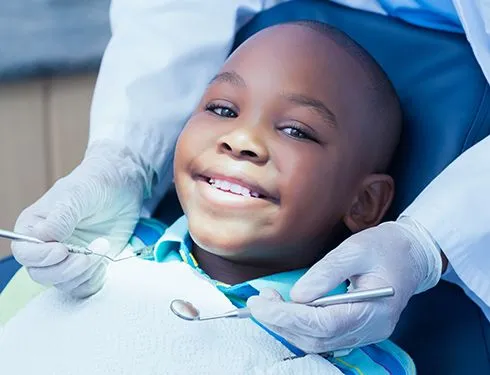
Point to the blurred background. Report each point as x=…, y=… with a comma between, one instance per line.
x=50, y=52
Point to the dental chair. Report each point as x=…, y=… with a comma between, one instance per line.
x=446, y=104
x=8, y=268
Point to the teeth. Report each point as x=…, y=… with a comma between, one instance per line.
x=234, y=188
x=245, y=191
x=237, y=189
x=225, y=185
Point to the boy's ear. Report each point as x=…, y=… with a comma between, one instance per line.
x=371, y=202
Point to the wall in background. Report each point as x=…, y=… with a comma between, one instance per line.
x=43, y=135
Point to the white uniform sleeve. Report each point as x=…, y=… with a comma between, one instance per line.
x=455, y=208
x=158, y=62
x=475, y=19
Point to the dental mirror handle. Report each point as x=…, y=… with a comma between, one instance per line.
x=358, y=296
x=241, y=313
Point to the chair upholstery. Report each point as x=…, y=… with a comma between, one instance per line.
x=8, y=268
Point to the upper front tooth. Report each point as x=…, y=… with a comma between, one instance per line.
x=245, y=191
x=237, y=189
x=225, y=185
x=218, y=183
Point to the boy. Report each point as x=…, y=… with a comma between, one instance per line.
x=284, y=154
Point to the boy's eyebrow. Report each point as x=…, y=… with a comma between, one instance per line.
x=315, y=104
x=231, y=77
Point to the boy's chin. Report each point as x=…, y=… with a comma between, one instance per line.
x=229, y=238
x=228, y=248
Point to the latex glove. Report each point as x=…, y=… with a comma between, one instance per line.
x=102, y=197
x=399, y=254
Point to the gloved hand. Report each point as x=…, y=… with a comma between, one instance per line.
x=102, y=197
x=399, y=254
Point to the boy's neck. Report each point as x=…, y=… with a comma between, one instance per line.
x=228, y=271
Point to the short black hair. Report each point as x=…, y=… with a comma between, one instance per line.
x=384, y=106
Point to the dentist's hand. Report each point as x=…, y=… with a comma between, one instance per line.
x=102, y=197
x=399, y=254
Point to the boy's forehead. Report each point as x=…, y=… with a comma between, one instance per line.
x=294, y=48
x=292, y=59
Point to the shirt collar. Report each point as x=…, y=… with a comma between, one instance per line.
x=176, y=244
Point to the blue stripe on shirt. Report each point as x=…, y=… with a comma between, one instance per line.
x=385, y=359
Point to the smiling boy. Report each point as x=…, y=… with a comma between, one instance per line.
x=285, y=154
x=286, y=149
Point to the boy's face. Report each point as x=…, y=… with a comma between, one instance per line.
x=268, y=164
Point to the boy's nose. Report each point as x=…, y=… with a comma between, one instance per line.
x=242, y=144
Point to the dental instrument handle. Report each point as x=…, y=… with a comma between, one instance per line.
x=21, y=237
x=18, y=237
x=80, y=250
x=241, y=313
x=357, y=296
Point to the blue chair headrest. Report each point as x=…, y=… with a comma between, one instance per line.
x=444, y=95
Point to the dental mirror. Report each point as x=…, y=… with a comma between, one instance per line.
x=187, y=311
x=184, y=310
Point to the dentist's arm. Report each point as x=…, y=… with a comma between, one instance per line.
x=455, y=209
x=156, y=66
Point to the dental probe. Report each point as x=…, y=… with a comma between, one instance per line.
x=72, y=248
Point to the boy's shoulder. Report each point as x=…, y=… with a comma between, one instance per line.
x=381, y=358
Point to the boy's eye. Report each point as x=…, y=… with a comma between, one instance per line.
x=294, y=132
x=221, y=110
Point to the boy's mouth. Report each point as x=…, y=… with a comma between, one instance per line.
x=233, y=188
x=238, y=185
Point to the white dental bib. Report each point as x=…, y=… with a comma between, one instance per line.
x=128, y=328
